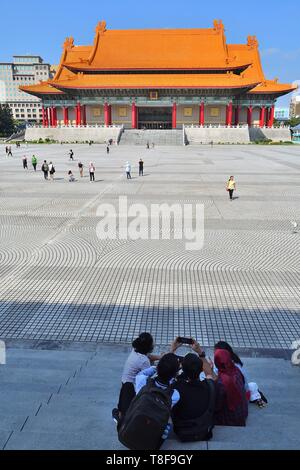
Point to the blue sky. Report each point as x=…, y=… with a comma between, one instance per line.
x=43, y=25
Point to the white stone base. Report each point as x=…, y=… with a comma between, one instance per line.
x=98, y=135
x=217, y=135
x=276, y=134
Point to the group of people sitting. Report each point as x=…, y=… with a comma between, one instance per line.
x=189, y=392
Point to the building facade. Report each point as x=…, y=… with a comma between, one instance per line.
x=282, y=114
x=159, y=79
x=23, y=71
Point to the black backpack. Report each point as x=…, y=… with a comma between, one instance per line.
x=146, y=418
x=198, y=429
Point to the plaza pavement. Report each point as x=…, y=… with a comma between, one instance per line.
x=60, y=284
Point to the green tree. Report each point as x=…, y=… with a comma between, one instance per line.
x=6, y=121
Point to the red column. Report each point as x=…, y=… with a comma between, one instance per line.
x=237, y=115
x=84, y=115
x=78, y=114
x=229, y=115
x=43, y=116
x=66, y=115
x=174, y=116
x=271, y=116
x=249, y=116
x=201, y=114
x=54, y=117
x=262, y=116
x=133, y=116
x=51, y=111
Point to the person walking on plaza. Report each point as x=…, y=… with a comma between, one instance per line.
x=71, y=154
x=51, y=171
x=230, y=187
x=45, y=169
x=34, y=162
x=6, y=150
x=107, y=149
x=141, y=167
x=128, y=170
x=80, y=166
x=92, y=170
x=24, y=159
x=9, y=153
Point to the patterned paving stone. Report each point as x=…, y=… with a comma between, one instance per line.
x=59, y=282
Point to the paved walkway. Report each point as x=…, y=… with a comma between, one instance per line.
x=63, y=400
x=59, y=282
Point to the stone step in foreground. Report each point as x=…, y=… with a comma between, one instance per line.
x=77, y=415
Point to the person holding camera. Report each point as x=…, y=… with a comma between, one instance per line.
x=193, y=414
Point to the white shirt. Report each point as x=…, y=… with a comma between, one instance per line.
x=135, y=363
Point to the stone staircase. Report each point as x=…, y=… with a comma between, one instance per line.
x=63, y=400
x=158, y=137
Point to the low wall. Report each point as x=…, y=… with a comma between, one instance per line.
x=206, y=135
x=98, y=135
x=276, y=134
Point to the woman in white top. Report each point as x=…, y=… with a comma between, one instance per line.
x=92, y=171
x=138, y=360
x=128, y=170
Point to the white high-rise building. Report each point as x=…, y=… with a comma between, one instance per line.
x=295, y=101
x=24, y=70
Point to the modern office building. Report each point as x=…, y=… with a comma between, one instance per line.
x=282, y=114
x=24, y=70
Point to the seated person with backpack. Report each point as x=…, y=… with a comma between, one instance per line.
x=146, y=423
x=193, y=415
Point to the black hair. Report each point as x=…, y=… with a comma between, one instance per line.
x=192, y=366
x=167, y=367
x=227, y=347
x=143, y=344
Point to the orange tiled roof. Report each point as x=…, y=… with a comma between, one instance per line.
x=172, y=49
x=70, y=53
x=249, y=52
x=161, y=49
x=149, y=81
x=41, y=88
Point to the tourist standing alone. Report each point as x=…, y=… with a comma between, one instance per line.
x=80, y=166
x=24, y=159
x=141, y=167
x=107, y=149
x=92, y=170
x=231, y=186
x=51, y=171
x=45, y=169
x=128, y=170
x=34, y=162
x=9, y=153
x=71, y=154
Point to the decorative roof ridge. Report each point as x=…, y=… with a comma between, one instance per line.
x=252, y=42
x=100, y=30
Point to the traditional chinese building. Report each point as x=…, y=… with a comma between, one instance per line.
x=159, y=79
